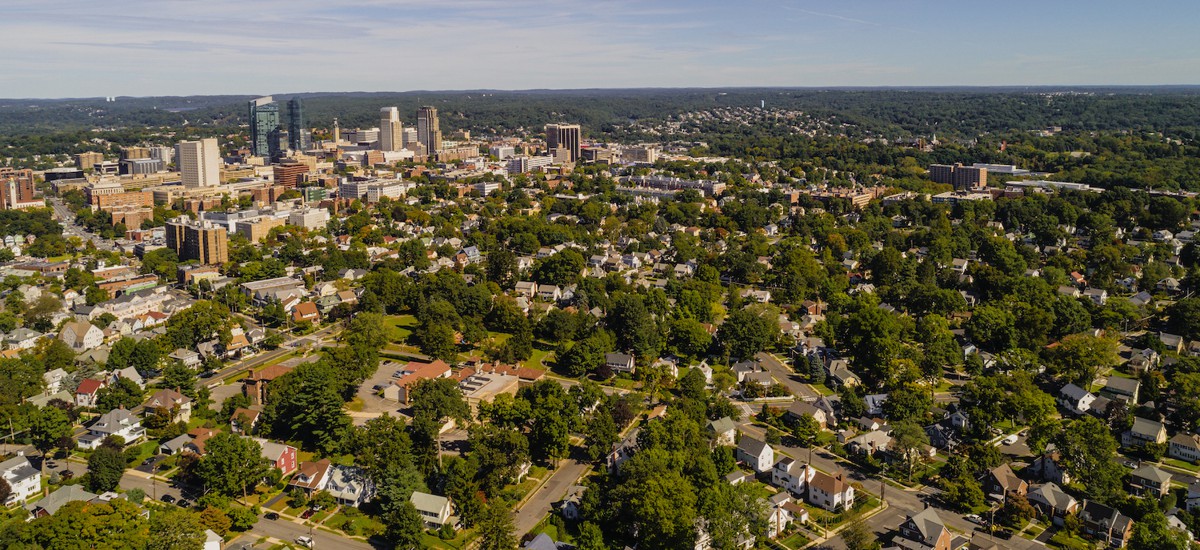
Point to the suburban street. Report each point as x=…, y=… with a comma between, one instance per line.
x=553, y=490
x=785, y=376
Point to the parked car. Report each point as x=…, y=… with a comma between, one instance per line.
x=271, y=516
x=168, y=499
x=184, y=503
x=1009, y=440
x=307, y=513
x=304, y=540
x=974, y=518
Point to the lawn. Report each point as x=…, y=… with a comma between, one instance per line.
x=400, y=327
x=461, y=540
x=1181, y=464
x=1063, y=539
x=795, y=541
x=539, y=355
x=561, y=532
x=822, y=389
x=144, y=451
x=361, y=525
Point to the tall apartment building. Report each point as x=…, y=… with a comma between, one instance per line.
x=256, y=229
x=85, y=161
x=409, y=138
x=198, y=240
x=961, y=177
x=429, y=131
x=134, y=153
x=264, y=127
x=299, y=136
x=564, y=136
x=17, y=190
x=199, y=163
x=391, y=132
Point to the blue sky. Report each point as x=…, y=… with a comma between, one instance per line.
x=78, y=48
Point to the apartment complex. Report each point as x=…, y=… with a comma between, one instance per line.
x=961, y=177
x=198, y=240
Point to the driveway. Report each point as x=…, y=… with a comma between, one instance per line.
x=544, y=497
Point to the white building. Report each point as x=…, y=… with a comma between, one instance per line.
x=199, y=163
x=22, y=477
x=391, y=132
x=311, y=218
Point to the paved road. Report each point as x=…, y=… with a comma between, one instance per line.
x=784, y=375
x=552, y=491
x=287, y=530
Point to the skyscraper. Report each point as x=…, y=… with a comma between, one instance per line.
x=564, y=136
x=429, y=133
x=199, y=163
x=264, y=127
x=299, y=136
x=198, y=240
x=391, y=132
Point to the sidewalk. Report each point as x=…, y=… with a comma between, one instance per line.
x=884, y=506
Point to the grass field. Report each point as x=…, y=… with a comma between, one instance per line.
x=400, y=327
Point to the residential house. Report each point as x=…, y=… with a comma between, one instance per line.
x=23, y=479
x=349, y=485
x=54, y=380
x=549, y=293
x=870, y=442
x=755, y=453
x=1124, y=389
x=59, y=498
x=781, y=512
x=212, y=541
x=282, y=457
x=435, y=510
x=545, y=542
x=1001, y=482
x=1184, y=447
x=255, y=383
x=176, y=445
x=619, y=362
x=791, y=475
x=179, y=405
x=81, y=335
x=572, y=502
x=723, y=431
x=1075, y=399
x=1144, y=431
x=1148, y=480
x=306, y=311
x=528, y=289
x=117, y=422
x=926, y=530
x=801, y=409
x=839, y=374
x=1105, y=524
x=1192, y=501
x=830, y=492
x=244, y=421
x=984, y=541
x=311, y=477
x=1053, y=502
x=1048, y=467
x=22, y=338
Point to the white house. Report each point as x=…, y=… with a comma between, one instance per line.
x=349, y=485
x=81, y=335
x=619, y=362
x=212, y=541
x=792, y=476
x=22, y=477
x=1075, y=399
x=118, y=422
x=831, y=492
x=435, y=510
x=723, y=430
x=755, y=453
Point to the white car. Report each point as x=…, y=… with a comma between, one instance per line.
x=304, y=540
x=1009, y=440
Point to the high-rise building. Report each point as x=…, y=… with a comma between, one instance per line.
x=961, y=177
x=299, y=136
x=290, y=173
x=264, y=127
x=429, y=131
x=391, y=132
x=199, y=163
x=85, y=161
x=410, y=138
x=198, y=240
x=564, y=136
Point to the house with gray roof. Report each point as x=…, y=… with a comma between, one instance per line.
x=1149, y=480
x=435, y=510
x=755, y=453
x=24, y=480
x=59, y=498
x=1053, y=502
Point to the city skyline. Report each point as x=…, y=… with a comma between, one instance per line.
x=67, y=49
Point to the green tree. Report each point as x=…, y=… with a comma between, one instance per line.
x=908, y=442
x=496, y=528
x=858, y=536
x=403, y=527
x=749, y=330
x=231, y=464
x=105, y=468
x=175, y=529
x=115, y=525
x=1153, y=533
x=124, y=393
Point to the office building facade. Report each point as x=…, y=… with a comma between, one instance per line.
x=299, y=136
x=391, y=132
x=961, y=177
x=264, y=127
x=429, y=131
x=199, y=163
x=566, y=137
